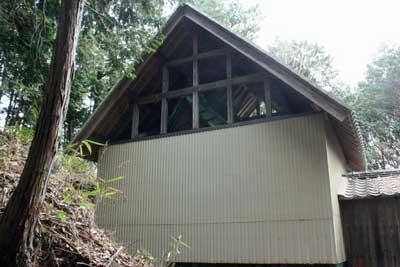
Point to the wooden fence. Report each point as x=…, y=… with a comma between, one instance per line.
x=371, y=229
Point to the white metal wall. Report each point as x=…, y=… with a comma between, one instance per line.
x=336, y=168
x=253, y=194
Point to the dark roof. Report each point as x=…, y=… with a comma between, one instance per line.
x=341, y=116
x=371, y=184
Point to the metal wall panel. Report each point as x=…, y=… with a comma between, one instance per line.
x=336, y=168
x=253, y=194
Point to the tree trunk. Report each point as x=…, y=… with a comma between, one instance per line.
x=3, y=79
x=19, y=220
x=9, y=109
x=3, y=85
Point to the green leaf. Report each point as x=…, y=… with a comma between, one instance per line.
x=81, y=151
x=95, y=192
x=146, y=254
x=61, y=215
x=68, y=198
x=118, y=178
x=68, y=161
x=85, y=204
x=95, y=143
x=69, y=147
x=88, y=146
x=110, y=194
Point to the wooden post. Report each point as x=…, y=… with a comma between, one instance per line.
x=135, y=121
x=267, y=98
x=164, y=102
x=229, y=104
x=195, y=82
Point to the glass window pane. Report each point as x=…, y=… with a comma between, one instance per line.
x=149, y=119
x=180, y=113
x=212, y=108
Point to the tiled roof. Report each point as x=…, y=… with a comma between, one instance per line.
x=371, y=184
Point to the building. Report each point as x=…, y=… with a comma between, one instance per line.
x=370, y=208
x=221, y=143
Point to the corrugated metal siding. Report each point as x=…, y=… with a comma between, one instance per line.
x=336, y=167
x=256, y=193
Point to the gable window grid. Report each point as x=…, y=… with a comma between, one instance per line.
x=249, y=101
x=292, y=95
x=219, y=118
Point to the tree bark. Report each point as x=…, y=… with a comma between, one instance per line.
x=19, y=220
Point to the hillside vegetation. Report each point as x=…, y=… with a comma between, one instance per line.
x=67, y=234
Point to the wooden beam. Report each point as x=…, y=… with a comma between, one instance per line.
x=277, y=70
x=256, y=77
x=229, y=97
x=211, y=53
x=196, y=115
x=135, y=121
x=164, y=102
x=267, y=98
x=165, y=79
x=258, y=111
x=238, y=80
x=195, y=107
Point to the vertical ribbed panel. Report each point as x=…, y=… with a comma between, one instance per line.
x=336, y=168
x=252, y=194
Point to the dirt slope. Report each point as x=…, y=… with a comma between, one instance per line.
x=67, y=234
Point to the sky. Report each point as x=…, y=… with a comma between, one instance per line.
x=351, y=31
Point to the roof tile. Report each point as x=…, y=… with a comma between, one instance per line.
x=362, y=187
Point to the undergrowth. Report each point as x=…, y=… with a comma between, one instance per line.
x=67, y=234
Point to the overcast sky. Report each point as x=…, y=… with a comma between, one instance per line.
x=350, y=30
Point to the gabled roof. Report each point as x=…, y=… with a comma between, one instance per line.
x=341, y=116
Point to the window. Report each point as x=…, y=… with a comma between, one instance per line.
x=230, y=89
x=212, y=108
x=212, y=69
x=180, y=114
x=219, y=72
x=153, y=87
x=242, y=66
x=249, y=101
x=180, y=76
x=149, y=119
x=208, y=42
x=184, y=48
